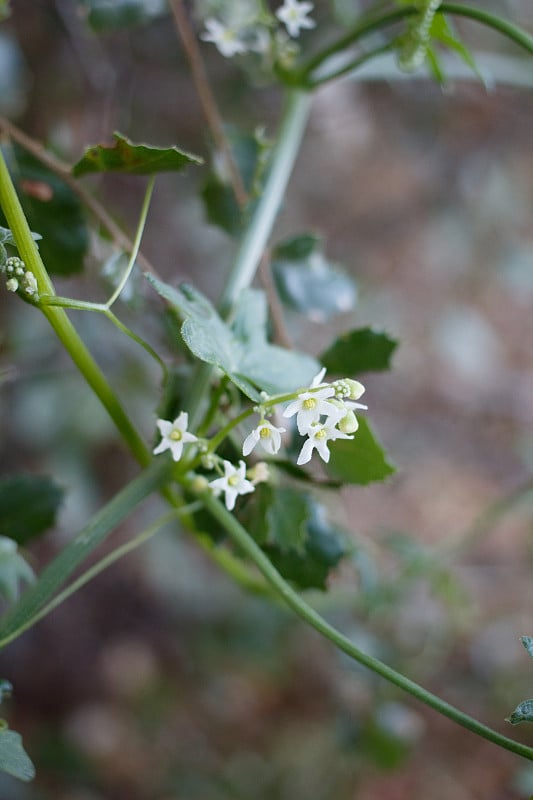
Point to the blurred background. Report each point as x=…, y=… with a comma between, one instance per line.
x=163, y=681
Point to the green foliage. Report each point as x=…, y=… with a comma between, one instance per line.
x=308, y=282
x=241, y=351
x=14, y=570
x=524, y=710
x=28, y=506
x=74, y=554
x=360, y=460
x=109, y=15
x=55, y=212
x=133, y=159
x=360, y=350
x=13, y=758
x=527, y=641
x=5, y=9
x=221, y=207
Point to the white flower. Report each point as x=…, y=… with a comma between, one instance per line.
x=174, y=435
x=232, y=484
x=267, y=434
x=293, y=14
x=319, y=434
x=225, y=39
x=310, y=405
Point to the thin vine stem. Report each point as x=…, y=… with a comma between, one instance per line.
x=246, y=544
x=371, y=24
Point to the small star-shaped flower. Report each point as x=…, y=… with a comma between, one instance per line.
x=293, y=14
x=309, y=406
x=319, y=434
x=267, y=435
x=232, y=484
x=225, y=39
x=174, y=435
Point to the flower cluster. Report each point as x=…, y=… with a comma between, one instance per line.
x=18, y=277
x=324, y=413
x=244, y=33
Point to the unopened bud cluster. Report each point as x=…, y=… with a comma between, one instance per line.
x=19, y=278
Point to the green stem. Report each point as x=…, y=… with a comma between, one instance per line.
x=371, y=24
x=136, y=243
x=352, y=65
x=255, y=239
x=246, y=544
x=59, y=321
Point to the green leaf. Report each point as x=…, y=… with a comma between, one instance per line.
x=134, y=159
x=53, y=210
x=287, y=518
x=28, y=506
x=109, y=15
x=6, y=237
x=324, y=548
x=71, y=557
x=442, y=31
x=360, y=350
x=522, y=713
x=5, y=9
x=250, y=157
x=308, y=282
x=527, y=641
x=13, y=758
x=360, y=460
x=242, y=351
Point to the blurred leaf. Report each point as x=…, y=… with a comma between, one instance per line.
x=134, y=159
x=57, y=573
x=323, y=549
x=54, y=211
x=6, y=689
x=221, y=206
x=522, y=713
x=28, y=506
x=361, y=350
x=6, y=237
x=13, y=758
x=14, y=570
x=442, y=31
x=360, y=460
x=527, y=641
x=242, y=352
x=308, y=282
x=110, y=15
x=286, y=519
x=5, y=9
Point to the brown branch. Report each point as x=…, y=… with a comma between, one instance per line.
x=206, y=97
x=62, y=170
x=281, y=334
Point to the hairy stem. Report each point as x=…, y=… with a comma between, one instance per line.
x=246, y=544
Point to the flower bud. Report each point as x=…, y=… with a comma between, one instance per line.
x=199, y=484
x=356, y=389
x=348, y=424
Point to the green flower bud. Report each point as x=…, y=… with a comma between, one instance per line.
x=348, y=424
x=356, y=389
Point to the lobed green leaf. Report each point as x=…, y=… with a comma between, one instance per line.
x=103, y=16
x=522, y=713
x=134, y=159
x=241, y=351
x=360, y=350
x=360, y=460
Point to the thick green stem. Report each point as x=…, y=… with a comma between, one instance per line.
x=258, y=232
x=246, y=544
x=59, y=321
